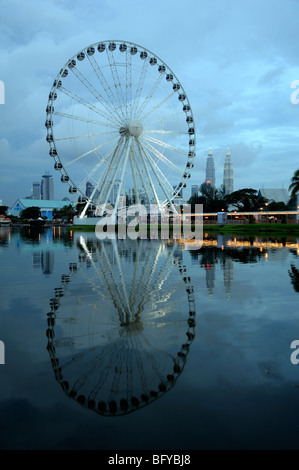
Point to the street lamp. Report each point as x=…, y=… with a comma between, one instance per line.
x=266, y=204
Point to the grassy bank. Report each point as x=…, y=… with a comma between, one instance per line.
x=282, y=230
x=279, y=230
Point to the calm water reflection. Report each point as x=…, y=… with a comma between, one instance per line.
x=147, y=344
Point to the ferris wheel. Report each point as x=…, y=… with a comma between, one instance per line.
x=119, y=123
x=116, y=342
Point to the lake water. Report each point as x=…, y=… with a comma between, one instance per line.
x=148, y=344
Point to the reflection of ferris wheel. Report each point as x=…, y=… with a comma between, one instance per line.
x=118, y=338
x=119, y=123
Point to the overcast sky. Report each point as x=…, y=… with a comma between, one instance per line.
x=236, y=60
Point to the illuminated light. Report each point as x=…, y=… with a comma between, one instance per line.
x=266, y=255
x=261, y=249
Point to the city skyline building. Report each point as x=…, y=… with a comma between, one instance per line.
x=228, y=175
x=194, y=190
x=47, y=187
x=210, y=169
x=36, y=190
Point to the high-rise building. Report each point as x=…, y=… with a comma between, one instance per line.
x=89, y=188
x=47, y=187
x=36, y=191
x=194, y=190
x=228, y=176
x=210, y=169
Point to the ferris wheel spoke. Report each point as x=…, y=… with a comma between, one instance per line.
x=80, y=118
x=139, y=172
x=108, y=183
x=128, y=83
x=91, y=89
x=150, y=95
x=88, y=105
x=105, y=85
x=103, y=175
x=161, y=131
x=90, y=177
x=165, y=145
x=155, y=167
x=136, y=282
x=134, y=180
x=140, y=87
x=122, y=281
x=121, y=298
x=162, y=158
x=85, y=135
x=116, y=80
x=103, y=275
x=126, y=156
x=148, y=174
x=88, y=153
x=161, y=274
x=144, y=281
x=157, y=106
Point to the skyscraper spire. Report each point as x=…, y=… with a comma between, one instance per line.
x=210, y=169
x=228, y=176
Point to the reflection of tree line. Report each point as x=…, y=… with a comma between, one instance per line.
x=208, y=257
x=294, y=275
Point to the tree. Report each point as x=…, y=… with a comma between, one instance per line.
x=245, y=200
x=31, y=213
x=66, y=212
x=294, y=186
x=3, y=210
x=213, y=198
x=277, y=206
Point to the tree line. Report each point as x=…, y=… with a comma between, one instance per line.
x=243, y=200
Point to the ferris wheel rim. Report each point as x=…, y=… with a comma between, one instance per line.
x=65, y=176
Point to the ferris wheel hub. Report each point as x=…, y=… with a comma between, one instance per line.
x=135, y=127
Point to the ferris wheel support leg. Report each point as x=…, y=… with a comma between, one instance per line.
x=128, y=143
x=141, y=178
x=147, y=173
x=148, y=158
x=99, y=182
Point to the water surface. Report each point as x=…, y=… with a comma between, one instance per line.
x=147, y=344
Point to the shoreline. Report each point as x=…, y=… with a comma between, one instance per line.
x=228, y=229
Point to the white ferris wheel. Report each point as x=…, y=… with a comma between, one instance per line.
x=119, y=123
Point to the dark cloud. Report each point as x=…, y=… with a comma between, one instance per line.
x=236, y=61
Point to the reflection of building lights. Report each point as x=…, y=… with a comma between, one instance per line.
x=71, y=233
x=261, y=249
x=266, y=255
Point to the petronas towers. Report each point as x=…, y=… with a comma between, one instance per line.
x=228, y=176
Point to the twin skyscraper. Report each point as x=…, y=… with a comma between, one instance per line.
x=228, y=176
